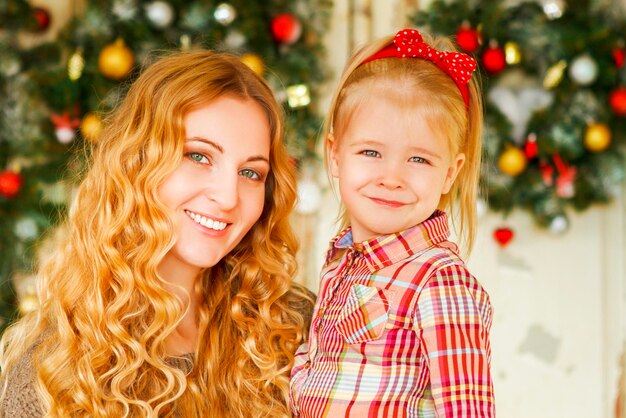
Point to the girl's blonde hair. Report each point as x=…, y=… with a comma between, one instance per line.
x=105, y=312
x=427, y=89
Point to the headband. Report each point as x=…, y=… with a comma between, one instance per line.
x=408, y=43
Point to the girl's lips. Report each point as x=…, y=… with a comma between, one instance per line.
x=390, y=203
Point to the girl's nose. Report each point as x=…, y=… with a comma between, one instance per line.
x=392, y=176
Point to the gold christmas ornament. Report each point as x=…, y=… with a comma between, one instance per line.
x=185, y=42
x=512, y=161
x=255, y=63
x=26, y=289
x=512, y=53
x=75, y=65
x=28, y=303
x=116, y=60
x=298, y=95
x=597, y=137
x=554, y=75
x=91, y=127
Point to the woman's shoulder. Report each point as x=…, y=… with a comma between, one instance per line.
x=20, y=398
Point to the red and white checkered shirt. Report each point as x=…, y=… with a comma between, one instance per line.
x=400, y=329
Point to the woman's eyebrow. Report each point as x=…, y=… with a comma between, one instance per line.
x=220, y=149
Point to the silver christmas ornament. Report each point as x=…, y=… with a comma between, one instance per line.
x=159, y=13
x=583, y=70
x=225, y=14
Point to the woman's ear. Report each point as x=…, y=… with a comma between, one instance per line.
x=453, y=171
x=331, y=146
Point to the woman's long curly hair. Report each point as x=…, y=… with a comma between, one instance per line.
x=99, y=336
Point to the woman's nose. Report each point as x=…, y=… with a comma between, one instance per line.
x=224, y=190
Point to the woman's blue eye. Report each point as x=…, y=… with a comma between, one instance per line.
x=251, y=174
x=370, y=153
x=197, y=157
x=418, y=160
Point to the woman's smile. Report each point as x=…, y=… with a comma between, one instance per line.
x=206, y=222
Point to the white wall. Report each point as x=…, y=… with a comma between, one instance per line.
x=559, y=299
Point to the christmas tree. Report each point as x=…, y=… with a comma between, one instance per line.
x=52, y=95
x=555, y=91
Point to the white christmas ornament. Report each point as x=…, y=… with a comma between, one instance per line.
x=583, y=70
x=309, y=196
x=235, y=40
x=26, y=229
x=65, y=135
x=225, y=14
x=159, y=13
x=124, y=9
x=559, y=225
x=553, y=8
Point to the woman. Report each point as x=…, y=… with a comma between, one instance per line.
x=171, y=294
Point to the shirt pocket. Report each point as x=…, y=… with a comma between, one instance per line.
x=364, y=316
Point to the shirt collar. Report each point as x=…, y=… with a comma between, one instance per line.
x=386, y=250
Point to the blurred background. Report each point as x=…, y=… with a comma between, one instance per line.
x=551, y=247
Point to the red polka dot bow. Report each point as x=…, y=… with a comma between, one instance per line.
x=408, y=43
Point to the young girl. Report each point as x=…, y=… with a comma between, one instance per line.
x=172, y=293
x=401, y=327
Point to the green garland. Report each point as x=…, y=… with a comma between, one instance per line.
x=47, y=90
x=553, y=76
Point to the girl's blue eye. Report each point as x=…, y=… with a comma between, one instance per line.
x=418, y=160
x=251, y=174
x=197, y=157
x=371, y=153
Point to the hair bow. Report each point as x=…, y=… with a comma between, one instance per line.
x=408, y=43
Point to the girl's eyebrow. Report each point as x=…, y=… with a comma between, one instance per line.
x=220, y=149
x=374, y=142
x=425, y=151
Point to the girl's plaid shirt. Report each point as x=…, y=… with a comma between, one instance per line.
x=400, y=329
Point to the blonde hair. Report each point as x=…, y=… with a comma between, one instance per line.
x=429, y=90
x=105, y=311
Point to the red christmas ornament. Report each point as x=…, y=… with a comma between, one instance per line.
x=547, y=173
x=43, y=18
x=618, y=57
x=286, y=28
x=617, y=101
x=494, y=59
x=530, y=147
x=467, y=38
x=503, y=236
x=65, y=126
x=565, y=179
x=10, y=183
